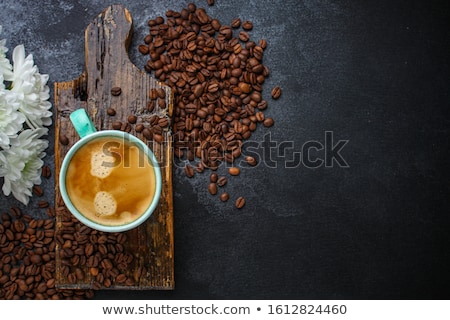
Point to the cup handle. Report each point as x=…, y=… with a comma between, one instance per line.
x=82, y=123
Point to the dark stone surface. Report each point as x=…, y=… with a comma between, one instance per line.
x=376, y=75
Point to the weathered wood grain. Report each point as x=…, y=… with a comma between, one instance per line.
x=107, y=66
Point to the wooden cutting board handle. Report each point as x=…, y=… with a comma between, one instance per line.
x=108, y=65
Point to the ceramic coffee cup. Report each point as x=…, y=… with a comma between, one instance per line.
x=109, y=180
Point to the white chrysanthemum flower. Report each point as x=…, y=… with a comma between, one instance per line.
x=23, y=163
x=31, y=89
x=5, y=65
x=11, y=120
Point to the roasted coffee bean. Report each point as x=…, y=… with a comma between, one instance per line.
x=217, y=80
x=143, y=49
x=213, y=177
x=148, y=134
x=35, y=259
x=132, y=119
x=46, y=172
x=276, y=92
x=38, y=191
x=224, y=197
x=43, y=204
x=116, y=125
x=236, y=23
x=240, y=202
x=111, y=112
x=63, y=139
x=268, y=122
x=116, y=91
x=150, y=106
x=222, y=181
x=212, y=188
x=210, y=2
x=251, y=161
x=247, y=25
x=243, y=36
x=163, y=122
x=139, y=127
x=189, y=171
x=161, y=93
x=234, y=171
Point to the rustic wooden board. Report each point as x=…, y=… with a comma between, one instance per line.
x=107, y=66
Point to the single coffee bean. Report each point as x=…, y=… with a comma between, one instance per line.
x=234, y=171
x=63, y=139
x=244, y=36
x=247, y=25
x=213, y=177
x=189, y=171
x=116, y=91
x=148, y=134
x=116, y=125
x=139, y=127
x=111, y=112
x=150, y=106
x=163, y=122
x=153, y=94
x=222, y=181
x=43, y=204
x=236, y=23
x=210, y=2
x=251, y=161
x=143, y=49
x=38, y=191
x=276, y=92
x=46, y=172
x=224, y=197
x=132, y=119
x=212, y=188
x=161, y=93
x=35, y=259
x=240, y=202
x=268, y=122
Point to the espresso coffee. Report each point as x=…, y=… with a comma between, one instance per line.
x=110, y=181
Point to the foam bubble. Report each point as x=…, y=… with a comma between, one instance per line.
x=105, y=204
x=101, y=164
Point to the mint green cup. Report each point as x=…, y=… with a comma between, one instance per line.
x=87, y=132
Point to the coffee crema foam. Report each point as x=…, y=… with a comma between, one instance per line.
x=110, y=181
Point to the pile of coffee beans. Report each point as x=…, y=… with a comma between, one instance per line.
x=92, y=256
x=217, y=74
x=27, y=259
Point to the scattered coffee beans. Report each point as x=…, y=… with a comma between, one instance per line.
x=217, y=79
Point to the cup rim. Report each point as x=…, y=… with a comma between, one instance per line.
x=95, y=225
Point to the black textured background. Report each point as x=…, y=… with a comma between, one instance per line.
x=375, y=73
